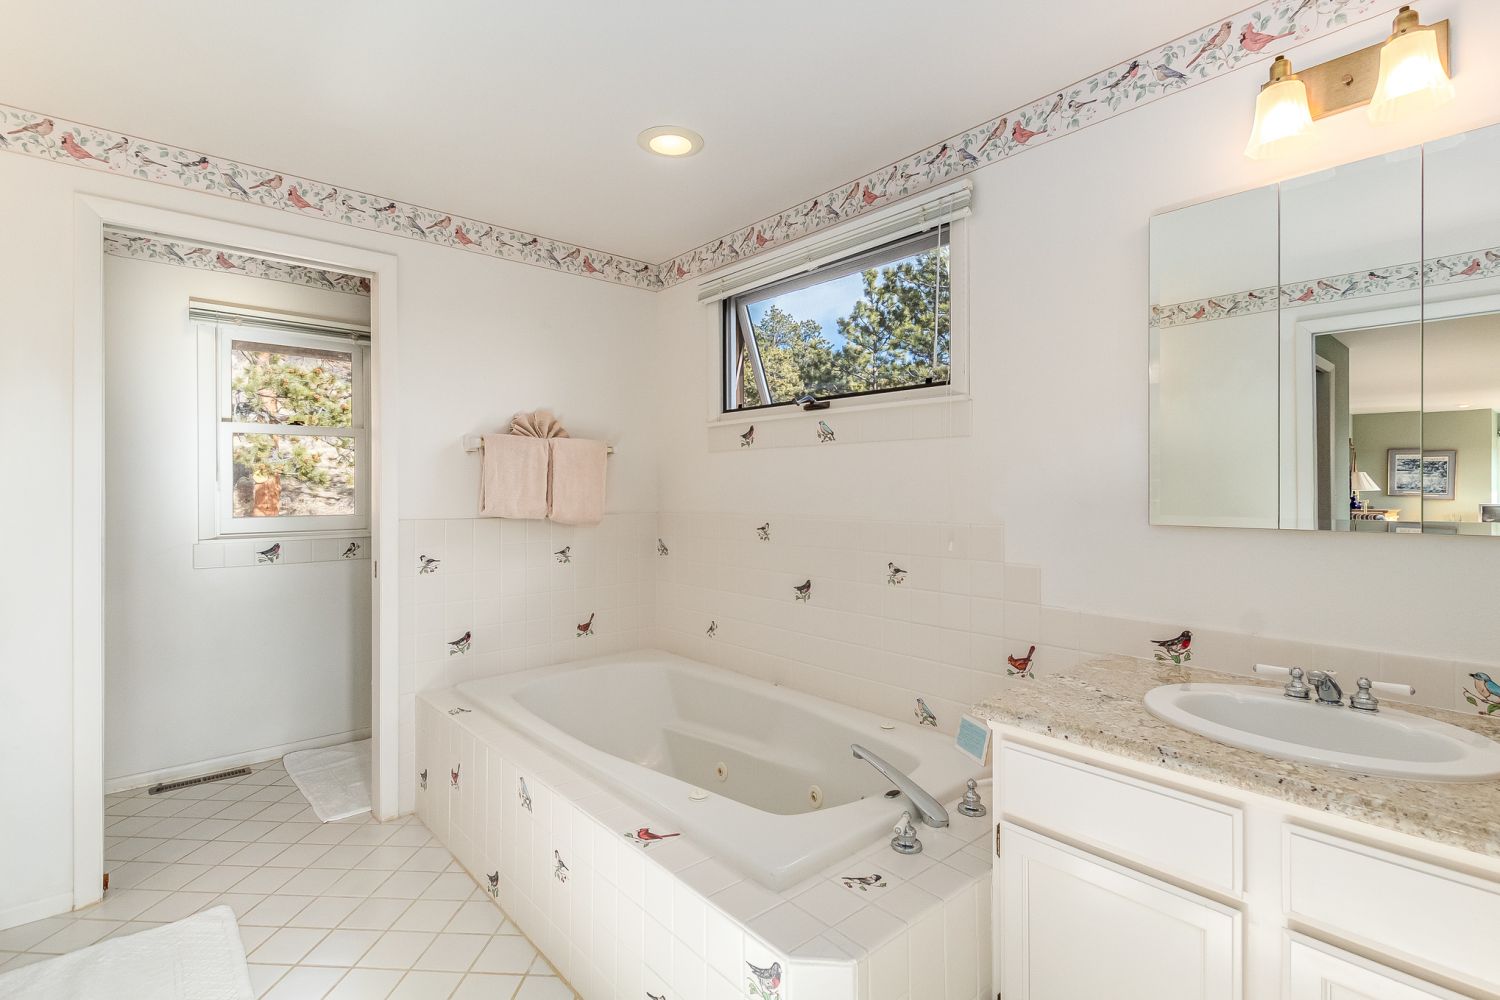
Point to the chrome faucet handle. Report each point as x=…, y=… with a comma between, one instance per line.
x=1295, y=688
x=971, y=805
x=1364, y=699
x=905, y=841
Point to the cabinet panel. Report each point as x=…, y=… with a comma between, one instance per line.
x=1077, y=926
x=1318, y=971
x=1169, y=831
x=1370, y=895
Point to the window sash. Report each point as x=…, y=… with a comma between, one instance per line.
x=739, y=333
x=219, y=484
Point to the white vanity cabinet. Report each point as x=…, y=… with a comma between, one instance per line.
x=1078, y=926
x=1118, y=879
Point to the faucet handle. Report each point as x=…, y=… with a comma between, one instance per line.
x=971, y=805
x=1295, y=688
x=1365, y=700
x=905, y=841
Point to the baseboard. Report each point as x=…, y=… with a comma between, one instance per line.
x=36, y=910
x=127, y=782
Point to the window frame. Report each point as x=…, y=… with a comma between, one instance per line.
x=217, y=431
x=735, y=325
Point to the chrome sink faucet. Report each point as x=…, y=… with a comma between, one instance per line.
x=1327, y=689
x=929, y=808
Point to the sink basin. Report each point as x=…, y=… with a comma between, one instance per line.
x=1389, y=742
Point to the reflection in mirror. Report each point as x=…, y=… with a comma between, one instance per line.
x=1214, y=363
x=1459, y=460
x=1351, y=338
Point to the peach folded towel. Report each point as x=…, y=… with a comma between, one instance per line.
x=578, y=467
x=514, y=478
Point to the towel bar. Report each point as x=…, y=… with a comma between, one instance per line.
x=475, y=442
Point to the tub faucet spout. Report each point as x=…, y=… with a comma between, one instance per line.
x=929, y=808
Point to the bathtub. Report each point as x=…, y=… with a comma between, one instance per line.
x=758, y=775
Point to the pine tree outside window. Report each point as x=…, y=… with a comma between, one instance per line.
x=877, y=322
x=290, y=445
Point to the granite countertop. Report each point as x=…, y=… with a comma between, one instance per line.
x=1098, y=704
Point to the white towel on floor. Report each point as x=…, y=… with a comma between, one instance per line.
x=198, y=958
x=334, y=780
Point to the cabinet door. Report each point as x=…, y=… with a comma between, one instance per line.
x=1075, y=926
x=1318, y=971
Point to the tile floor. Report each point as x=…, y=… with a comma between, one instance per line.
x=355, y=909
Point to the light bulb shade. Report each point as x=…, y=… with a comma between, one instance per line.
x=1412, y=80
x=1360, y=482
x=1282, y=119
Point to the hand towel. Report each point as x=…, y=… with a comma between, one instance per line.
x=538, y=423
x=578, y=467
x=514, y=478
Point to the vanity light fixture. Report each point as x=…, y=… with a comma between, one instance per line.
x=1404, y=75
x=670, y=140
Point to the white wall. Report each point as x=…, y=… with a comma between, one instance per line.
x=1058, y=289
x=480, y=339
x=287, y=645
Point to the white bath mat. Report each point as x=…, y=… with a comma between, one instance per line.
x=335, y=780
x=199, y=958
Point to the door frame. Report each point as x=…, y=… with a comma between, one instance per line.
x=91, y=214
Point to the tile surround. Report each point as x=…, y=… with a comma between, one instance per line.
x=662, y=917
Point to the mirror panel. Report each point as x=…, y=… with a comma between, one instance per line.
x=1350, y=335
x=1458, y=468
x=1213, y=366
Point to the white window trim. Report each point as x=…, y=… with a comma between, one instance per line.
x=216, y=429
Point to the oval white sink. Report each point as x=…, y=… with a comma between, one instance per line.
x=1393, y=743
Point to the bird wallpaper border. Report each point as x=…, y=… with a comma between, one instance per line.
x=164, y=251
x=1251, y=35
x=1469, y=266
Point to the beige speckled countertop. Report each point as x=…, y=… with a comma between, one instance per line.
x=1098, y=704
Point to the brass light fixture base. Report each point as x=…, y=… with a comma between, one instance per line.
x=1349, y=81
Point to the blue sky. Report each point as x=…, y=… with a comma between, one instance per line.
x=824, y=303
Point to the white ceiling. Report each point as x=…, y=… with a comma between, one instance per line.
x=526, y=114
x=1452, y=364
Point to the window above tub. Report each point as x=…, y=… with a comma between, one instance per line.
x=865, y=315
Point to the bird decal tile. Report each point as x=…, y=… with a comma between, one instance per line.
x=924, y=714
x=764, y=983
x=661, y=548
x=825, y=433
x=453, y=775
x=1176, y=650
x=803, y=591
x=643, y=837
x=458, y=710
x=271, y=555
x=864, y=883
x=586, y=628
x=564, y=554
x=712, y=630
x=894, y=575
x=460, y=646
x=559, y=868
x=748, y=438
x=164, y=251
x=492, y=883
x=763, y=533
x=1020, y=666
x=351, y=551
x=1484, y=695
x=422, y=779
x=523, y=794
x=427, y=565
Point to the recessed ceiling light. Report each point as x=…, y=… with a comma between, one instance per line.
x=670, y=140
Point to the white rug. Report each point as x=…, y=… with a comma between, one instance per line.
x=336, y=780
x=199, y=958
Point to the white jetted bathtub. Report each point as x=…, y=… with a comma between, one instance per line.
x=758, y=775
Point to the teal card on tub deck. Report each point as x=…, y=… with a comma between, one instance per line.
x=973, y=739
